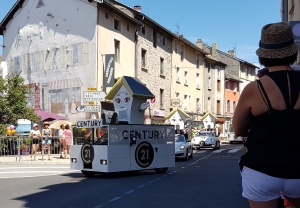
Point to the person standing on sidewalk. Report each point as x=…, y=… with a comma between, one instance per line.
x=61, y=139
x=68, y=140
x=270, y=108
x=35, y=134
x=46, y=134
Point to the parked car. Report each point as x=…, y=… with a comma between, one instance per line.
x=183, y=147
x=206, y=139
x=232, y=138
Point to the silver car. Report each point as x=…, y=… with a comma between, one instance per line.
x=206, y=139
x=183, y=147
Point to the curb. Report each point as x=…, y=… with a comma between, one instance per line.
x=34, y=163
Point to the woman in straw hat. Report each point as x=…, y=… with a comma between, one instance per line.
x=270, y=108
x=46, y=134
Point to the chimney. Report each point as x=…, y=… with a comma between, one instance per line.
x=137, y=8
x=231, y=52
x=199, y=43
x=214, y=50
x=181, y=36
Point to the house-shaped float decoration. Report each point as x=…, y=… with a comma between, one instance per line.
x=129, y=96
x=177, y=117
x=209, y=120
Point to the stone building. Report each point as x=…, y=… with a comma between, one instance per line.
x=153, y=61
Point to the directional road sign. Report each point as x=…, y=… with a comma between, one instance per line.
x=88, y=108
x=93, y=96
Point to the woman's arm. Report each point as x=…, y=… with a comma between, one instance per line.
x=242, y=114
x=42, y=132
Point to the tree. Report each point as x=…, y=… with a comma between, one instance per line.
x=14, y=95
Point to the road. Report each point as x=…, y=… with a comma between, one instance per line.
x=209, y=179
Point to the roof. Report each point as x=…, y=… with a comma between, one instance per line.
x=181, y=112
x=209, y=114
x=143, y=17
x=187, y=42
x=134, y=87
x=210, y=58
x=233, y=57
x=19, y=4
x=231, y=77
x=10, y=15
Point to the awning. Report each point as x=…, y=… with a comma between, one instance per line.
x=65, y=83
x=221, y=120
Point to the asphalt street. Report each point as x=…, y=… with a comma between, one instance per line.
x=209, y=179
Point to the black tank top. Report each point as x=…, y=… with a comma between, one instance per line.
x=273, y=142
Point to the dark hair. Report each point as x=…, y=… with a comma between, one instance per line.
x=67, y=126
x=262, y=72
x=61, y=125
x=267, y=62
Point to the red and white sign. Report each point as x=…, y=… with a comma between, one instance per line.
x=158, y=113
x=153, y=100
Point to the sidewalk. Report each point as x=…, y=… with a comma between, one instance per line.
x=25, y=159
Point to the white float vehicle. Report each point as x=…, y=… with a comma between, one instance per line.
x=126, y=143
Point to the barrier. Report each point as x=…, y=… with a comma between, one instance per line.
x=22, y=145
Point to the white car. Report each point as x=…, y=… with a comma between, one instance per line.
x=232, y=138
x=206, y=139
x=183, y=147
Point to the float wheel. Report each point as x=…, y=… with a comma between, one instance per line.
x=161, y=170
x=88, y=173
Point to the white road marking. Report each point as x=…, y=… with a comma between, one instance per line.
x=141, y=186
x=129, y=192
x=99, y=206
x=233, y=150
x=115, y=199
x=36, y=171
x=218, y=151
x=49, y=167
x=199, y=151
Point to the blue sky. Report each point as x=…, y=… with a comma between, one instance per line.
x=226, y=22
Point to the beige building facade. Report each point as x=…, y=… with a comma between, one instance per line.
x=187, y=78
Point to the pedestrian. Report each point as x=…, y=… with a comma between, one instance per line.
x=270, y=108
x=46, y=134
x=68, y=140
x=61, y=139
x=35, y=134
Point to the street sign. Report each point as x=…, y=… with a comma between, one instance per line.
x=92, y=89
x=93, y=123
x=93, y=96
x=88, y=108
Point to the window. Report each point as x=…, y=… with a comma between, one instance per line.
x=218, y=107
x=218, y=72
x=226, y=106
x=161, y=98
x=161, y=66
x=177, y=74
x=228, y=85
x=175, y=46
x=143, y=30
x=106, y=15
x=128, y=27
x=181, y=53
x=219, y=85
x=208, y=68
x=208, y=103
x=117, y=24
x=185, y=102
x=177, y=94
x=234, y=87
x=197, y=105
x=144, y=52
x=231, y=106
x=154, y=39
x=197, y=61
x=185, y=77
x=117, y=51
x=234, y=106
x=197, y=80
x=209, y=83
x=246, y=72
x=164, y=41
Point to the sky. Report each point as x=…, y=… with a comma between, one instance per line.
x=229, y=23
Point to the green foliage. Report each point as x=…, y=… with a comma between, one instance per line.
x=14, y=95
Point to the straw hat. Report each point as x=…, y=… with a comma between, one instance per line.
x=277, y=41
x=46, y=123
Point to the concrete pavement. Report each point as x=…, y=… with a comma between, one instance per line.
x=25, y=159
